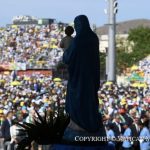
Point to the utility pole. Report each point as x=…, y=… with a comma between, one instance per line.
x=112, y=10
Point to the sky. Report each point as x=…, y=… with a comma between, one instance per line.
x=67, y=10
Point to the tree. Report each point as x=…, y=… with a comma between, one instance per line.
x=141, y=38
x=140, y=49
x=102, y=61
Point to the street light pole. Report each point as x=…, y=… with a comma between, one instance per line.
x=112, y=4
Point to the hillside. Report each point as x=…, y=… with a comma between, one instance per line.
x=124, y=27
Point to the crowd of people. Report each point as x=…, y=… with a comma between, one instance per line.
x=120, y=106
x=144, y=66
x=18, y=42
x=127, y=114
x=26, y=94
x=125, y=109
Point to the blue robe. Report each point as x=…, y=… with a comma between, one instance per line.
x=82, y=58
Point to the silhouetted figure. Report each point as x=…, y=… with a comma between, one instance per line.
x=66, y=41
x=82, y=58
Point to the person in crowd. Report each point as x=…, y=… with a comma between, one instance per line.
x=111, y=134
x=144, y=137
x=135, y=133
x=14, y=75
x=16, y=131
x=127, y=143
x=6, y=130
x=117, y=128
x=30, y=119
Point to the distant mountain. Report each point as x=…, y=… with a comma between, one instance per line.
x=124, y=27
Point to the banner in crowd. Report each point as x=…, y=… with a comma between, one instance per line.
x=13, y=66
x=136, y=77
x=35, y=72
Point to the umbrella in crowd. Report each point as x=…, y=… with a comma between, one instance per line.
x=57, y=80
x=134, y=67
x=15, y=83
x=143, y=85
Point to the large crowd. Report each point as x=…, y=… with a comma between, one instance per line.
x=125, y=109
x=18, y=42
x=23, y=94
x=26, y=93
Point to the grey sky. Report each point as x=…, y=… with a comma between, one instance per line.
x=66, y=10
